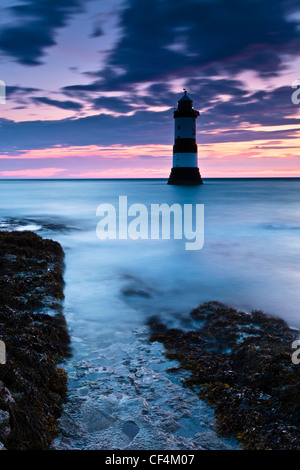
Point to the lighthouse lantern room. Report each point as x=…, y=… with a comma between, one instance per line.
x=185, y=169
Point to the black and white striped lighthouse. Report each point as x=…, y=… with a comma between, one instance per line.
x=185, y=169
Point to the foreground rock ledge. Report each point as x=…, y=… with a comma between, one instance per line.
x=32, y=386
x=241, y=364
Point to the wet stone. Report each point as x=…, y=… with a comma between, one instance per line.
x=130, y=428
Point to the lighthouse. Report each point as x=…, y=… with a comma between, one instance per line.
x=185, y=169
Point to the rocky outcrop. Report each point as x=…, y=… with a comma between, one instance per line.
x=33, y=328
x=241, y=365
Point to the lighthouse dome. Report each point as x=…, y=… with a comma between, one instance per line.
x=185, y=107
x=185, y=97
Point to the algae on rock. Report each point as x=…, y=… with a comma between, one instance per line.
x=34, y=330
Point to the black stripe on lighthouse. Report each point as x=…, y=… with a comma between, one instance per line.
x=185, y=146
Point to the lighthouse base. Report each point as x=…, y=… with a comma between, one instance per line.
x=185, y=176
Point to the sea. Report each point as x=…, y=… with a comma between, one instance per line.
x=123, y=391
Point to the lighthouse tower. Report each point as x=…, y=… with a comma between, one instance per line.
x=185, y=169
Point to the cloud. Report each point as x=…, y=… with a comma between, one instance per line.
x=113, y=104
x=194, y=43
x=18, y=91
x=228, y=113
x=170, y=39
x=160, y=47
x=32, y=173
x=34, y=28
x=116, y=152
x=141, y=128
x=97, y=31
x=70, y=105
x=263, y=108
x=256, y=158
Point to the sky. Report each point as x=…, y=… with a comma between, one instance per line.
x=91, y=86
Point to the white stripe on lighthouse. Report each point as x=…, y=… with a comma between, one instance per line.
x=185, y=160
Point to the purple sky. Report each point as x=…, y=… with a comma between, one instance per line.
x=91, y=85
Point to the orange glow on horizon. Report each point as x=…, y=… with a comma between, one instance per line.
x=32, y=173
x=226, y=159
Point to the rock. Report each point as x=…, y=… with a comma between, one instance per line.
x=4, y=424
x=32, y=387
x=96, y=416
x=241, y=365
x=130, y=428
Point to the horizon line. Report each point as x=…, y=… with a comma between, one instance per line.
x=165, y=178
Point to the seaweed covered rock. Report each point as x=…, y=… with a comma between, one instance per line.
x=32, y=386
x=241, y=365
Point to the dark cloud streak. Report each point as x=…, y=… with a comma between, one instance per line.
x=225, y=35
x=69, y=105
x=37, y=22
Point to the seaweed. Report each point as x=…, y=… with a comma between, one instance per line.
x=241, y=365
x=33, y=383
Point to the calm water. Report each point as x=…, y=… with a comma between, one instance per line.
x=250, y=260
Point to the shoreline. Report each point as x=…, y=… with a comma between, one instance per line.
x=34, y=330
